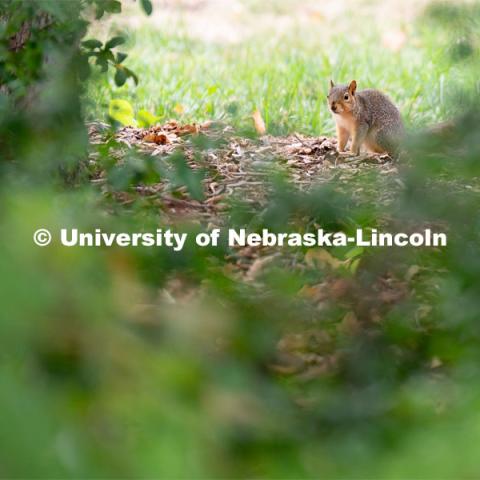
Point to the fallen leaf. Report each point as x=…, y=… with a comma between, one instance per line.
x=318, y=257
x=422, y=312
x=187, y=129
x=259, y=123
x=293, y=342
x=435, y=362
x=179, y=109
x=317, y=293
x=327, y=366
x=170, y=125
x=158, y=138
x=391, y=295
x=411, y=272
x=257, y=267
x=339, y=288
x=349, y=325
x=394, y=40
x=316, y=14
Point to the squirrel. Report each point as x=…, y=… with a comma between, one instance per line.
x=369, y=117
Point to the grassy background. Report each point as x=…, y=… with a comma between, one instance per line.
x=280, y=61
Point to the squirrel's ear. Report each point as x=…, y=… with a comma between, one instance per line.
x=331, y=84
x=352, y=87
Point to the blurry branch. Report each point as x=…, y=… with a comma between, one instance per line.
x=41, y=21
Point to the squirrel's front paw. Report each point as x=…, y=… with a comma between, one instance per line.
x=346, y=154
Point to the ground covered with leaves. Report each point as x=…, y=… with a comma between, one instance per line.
x=206, y=175
x=232, y=167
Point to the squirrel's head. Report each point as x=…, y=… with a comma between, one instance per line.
x=341, y=98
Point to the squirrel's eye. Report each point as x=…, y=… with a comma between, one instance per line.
x=346, y=96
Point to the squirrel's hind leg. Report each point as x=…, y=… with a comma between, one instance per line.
x=384, y=142
x=373, y=147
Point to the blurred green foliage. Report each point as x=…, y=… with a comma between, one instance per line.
x=102, y=376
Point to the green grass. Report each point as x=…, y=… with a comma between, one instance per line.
x=286, y=77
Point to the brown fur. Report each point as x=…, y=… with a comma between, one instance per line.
x=368, y=118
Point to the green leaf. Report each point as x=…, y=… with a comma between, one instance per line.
x=121, y=111
x=184, y=175
x=121, y=57
x=109, y=55
x=92, y=43
x=99, y=12
x=115, y=41
x=102, y=62
x=120, y=77
x=147, y=6
x=83, y=67
x=131, y=74
x=354, y=252
x=146, y=119
x=354, y=265
x=113, y=6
